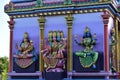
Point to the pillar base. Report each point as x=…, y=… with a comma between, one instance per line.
x=17, y=76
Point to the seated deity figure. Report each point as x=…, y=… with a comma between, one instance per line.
x=53, y=53
x=87, y=57
x=26, y=53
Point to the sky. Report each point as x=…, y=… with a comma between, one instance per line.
x=4, y=30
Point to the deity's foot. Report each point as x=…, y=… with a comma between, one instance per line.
x=94, y=66
x=17, y=56
x=113, y=70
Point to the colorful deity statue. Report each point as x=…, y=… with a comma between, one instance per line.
x=54, y=54
x=26, y=53
x=112, y=49
x=87, y=57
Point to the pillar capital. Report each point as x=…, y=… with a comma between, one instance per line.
x=105, y=17
x=41, y=21
x=11, y=23
x=69, y=19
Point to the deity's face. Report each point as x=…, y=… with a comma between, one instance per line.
x=61, y=34
x=87, y=41
x=58, y=33
x=87, y=29
x=25, y=40
x=54, y=38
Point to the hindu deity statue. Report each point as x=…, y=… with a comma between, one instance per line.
x=53, y=53
x=112, y=49
x=88, y=56
x=26, y=53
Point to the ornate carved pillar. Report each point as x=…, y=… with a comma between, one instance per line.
x=11, y=26
x=69, y=19
x=41, y=21
x=117, y=45
x=106, y=17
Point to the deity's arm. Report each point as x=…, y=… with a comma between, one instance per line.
x=64, y=44
x=93, y=42
x=44, y=50
x=30, y=48
x=95, y=56
x=18, y=47
x=77, y=42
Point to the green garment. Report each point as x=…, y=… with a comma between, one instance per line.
x=87, y=60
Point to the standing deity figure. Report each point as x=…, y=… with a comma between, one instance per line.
x=26, y=53
x=87, y=57
x=112, y=49
x=53, y=53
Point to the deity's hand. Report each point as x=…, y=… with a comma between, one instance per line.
x=75, y=36
x=64, y=39
x=25, y=52
x=95, y=36
x=81, y=39
x=42, y=51
x=20, y=55
x=17, y=45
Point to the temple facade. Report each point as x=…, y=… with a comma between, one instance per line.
x=64, y=39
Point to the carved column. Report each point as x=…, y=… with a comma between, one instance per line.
x=69, y=19
x=41, y=21
x=117, y=45
x=11, y=26
x=106, y=17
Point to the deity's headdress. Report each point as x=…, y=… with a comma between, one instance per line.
x=87, y=33
x=25, y=35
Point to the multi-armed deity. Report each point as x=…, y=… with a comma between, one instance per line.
x=54, y=51
x=88, y=56
x=26, y=53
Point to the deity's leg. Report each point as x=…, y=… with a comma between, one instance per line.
x=95, y=56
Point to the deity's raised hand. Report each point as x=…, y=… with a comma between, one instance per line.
x=64, y=39
x=75, y=36
x=17, y=45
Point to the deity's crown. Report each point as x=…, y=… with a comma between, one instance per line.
x=87, y=33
